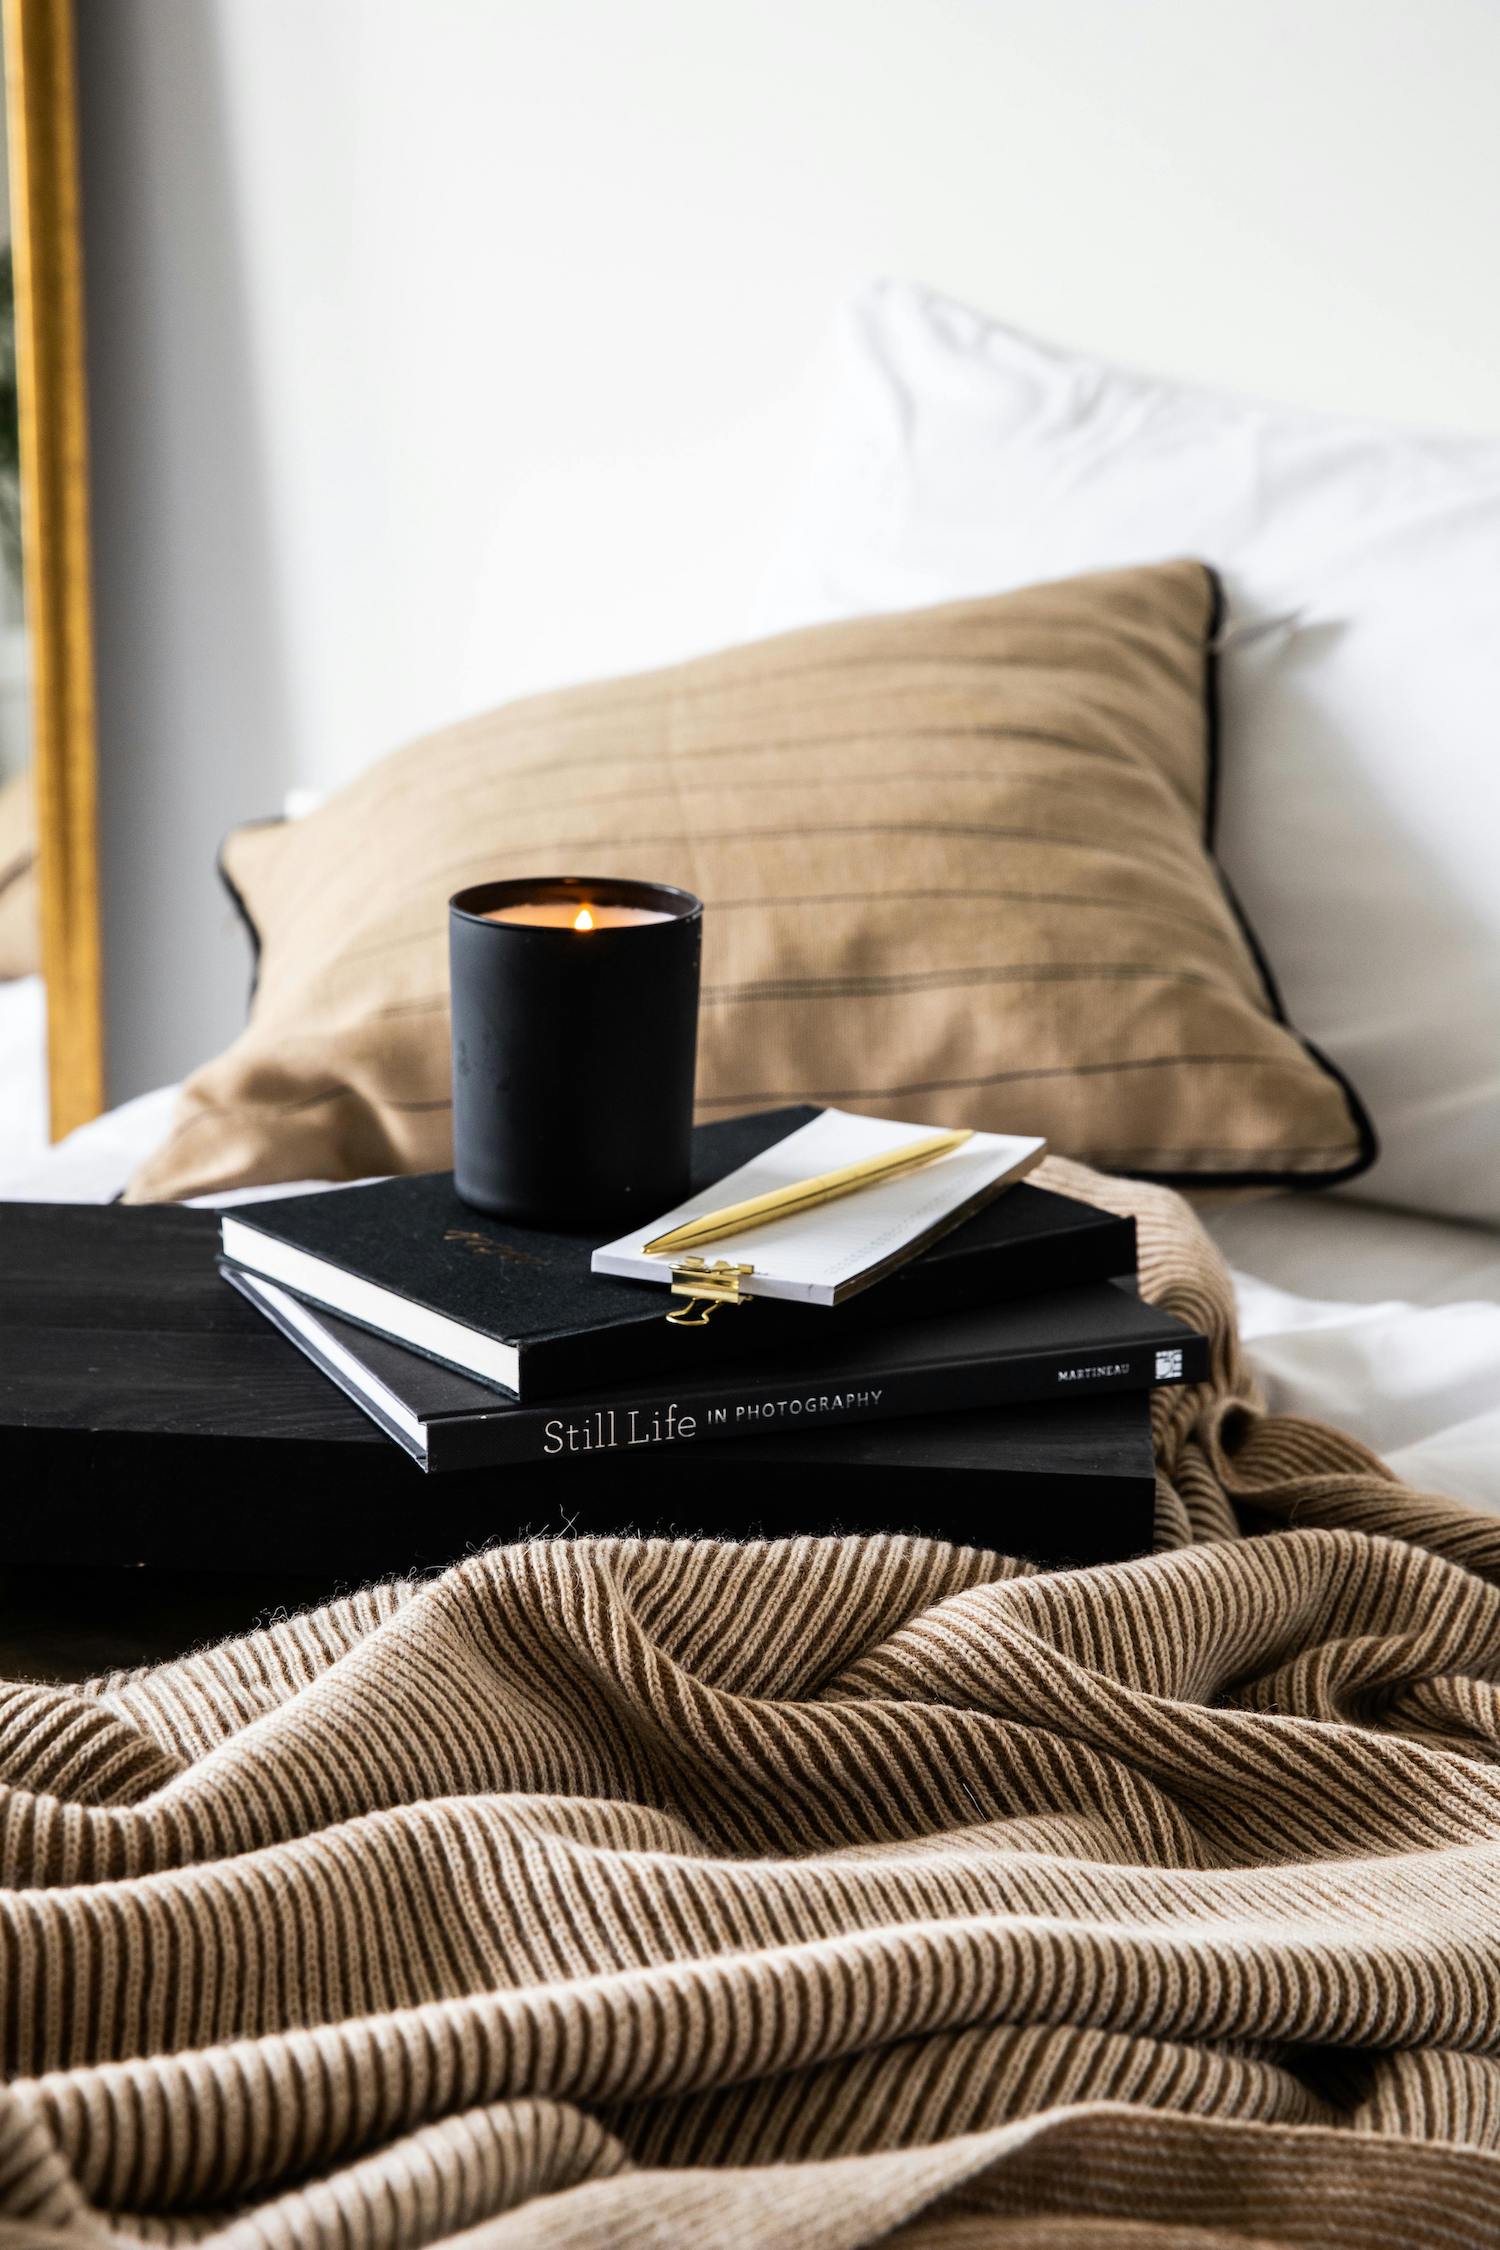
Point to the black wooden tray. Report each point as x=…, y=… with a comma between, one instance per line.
x=149, y=1417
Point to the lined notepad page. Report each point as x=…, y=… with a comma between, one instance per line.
x=826, y=1253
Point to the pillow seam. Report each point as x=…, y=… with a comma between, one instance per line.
x=237, y=897
x=1359, y=1117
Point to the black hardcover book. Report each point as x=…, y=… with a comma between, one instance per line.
x=149, y=1416
x=520, y=1309
x=1098, y=1337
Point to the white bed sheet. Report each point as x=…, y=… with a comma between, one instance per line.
x=1384, y=1324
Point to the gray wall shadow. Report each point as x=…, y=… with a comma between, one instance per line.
x=192, y=709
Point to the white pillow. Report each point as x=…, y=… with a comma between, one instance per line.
x=1359, y=814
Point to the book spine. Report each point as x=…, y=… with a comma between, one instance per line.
x=570, y=1431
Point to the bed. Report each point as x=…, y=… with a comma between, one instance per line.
x=840, y=1890
x=846, y=1891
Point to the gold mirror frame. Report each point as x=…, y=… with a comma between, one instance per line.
x=41, y=94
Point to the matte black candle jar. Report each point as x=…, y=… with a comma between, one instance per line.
x=575, y=1038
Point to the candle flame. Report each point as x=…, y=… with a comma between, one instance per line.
x=583, y=920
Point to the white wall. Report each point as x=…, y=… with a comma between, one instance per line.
x=446, y=348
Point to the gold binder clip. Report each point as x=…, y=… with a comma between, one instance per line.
x=704, y=1287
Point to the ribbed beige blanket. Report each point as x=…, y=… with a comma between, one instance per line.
x=821, y=1893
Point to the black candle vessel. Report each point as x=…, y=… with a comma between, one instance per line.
x=575, y=1037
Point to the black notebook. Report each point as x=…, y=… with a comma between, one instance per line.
x=1068, y=1343
x=521, y=1309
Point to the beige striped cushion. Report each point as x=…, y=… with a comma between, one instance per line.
x=953, y=866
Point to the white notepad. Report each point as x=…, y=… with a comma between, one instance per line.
x=821, y=1256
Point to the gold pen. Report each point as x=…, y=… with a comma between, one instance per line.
x=805, y=1195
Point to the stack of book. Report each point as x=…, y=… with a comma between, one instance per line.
x=919, y=1358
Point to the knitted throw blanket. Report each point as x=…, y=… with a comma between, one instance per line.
x=821, y=1893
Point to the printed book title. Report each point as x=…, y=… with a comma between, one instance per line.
x=607, y=1429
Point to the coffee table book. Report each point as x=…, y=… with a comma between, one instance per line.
x=521, y=1308
x=148, y=1416
x=1066, y=1343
